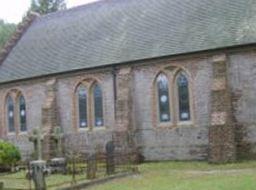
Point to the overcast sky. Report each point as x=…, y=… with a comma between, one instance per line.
x=13, y=10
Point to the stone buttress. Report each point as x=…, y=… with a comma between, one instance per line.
x=50, y=119
x=123, y=135
x=222, y=147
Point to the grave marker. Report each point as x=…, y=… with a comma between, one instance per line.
x=110, y=160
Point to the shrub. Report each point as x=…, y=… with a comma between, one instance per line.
x=9, y=154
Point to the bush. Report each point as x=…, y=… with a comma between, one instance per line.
x=9, y=154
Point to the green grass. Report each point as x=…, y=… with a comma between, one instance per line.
x=188, y=176
x=18, y=180
x=163, y=176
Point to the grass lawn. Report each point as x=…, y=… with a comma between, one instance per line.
x=18, y=180
x=188, y=176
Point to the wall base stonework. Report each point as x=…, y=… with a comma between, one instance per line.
x=221, y=144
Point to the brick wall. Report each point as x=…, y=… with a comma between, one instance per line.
x=135, y=122
x=242, y=73
x=181, y=142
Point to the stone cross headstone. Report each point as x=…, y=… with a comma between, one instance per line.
x=110, y=160
x=91, y=166
x=38, y=166
x=58, y=135
x=59, y=163
x=36, y=137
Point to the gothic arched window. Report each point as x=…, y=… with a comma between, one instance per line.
x=10, y=114
x=22, y=114
x=82, y=106
x=98, y=106
x=183, y=97
x=163, y=98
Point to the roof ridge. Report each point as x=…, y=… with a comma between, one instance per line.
x=20, y=30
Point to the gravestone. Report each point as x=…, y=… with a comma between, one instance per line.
x=36, y=137
x=39, y=166
x=91, y=166
x=110, y=160
x=58, y=164
x=57, y=136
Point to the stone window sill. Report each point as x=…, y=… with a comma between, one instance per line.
x=91, y=129
x=25, y=133
x=174, y=126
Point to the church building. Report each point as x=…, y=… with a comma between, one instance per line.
x=171, y=79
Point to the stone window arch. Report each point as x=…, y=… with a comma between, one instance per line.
x=162, y=84
x=183, y=96
x=173, y=97
x=97, y=105
x=22, y=113
x=89, y=105
x=16, y=112
x=82, y=95
x=10, y=114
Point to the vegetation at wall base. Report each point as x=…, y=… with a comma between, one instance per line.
x=9, y=155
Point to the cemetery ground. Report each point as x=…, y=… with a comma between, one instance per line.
x=162, y=176
x=187, y=176
x=19, y=181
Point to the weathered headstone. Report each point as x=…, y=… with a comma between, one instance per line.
x=58, y=164
x=36, y=137
x=38, y=167
x=91, y=166
x=110, y=160
x=57, y=136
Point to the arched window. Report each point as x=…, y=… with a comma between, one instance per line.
x=82, y=106
x=10, y=114
x=183, y=97
x=163, y=98
x=22, y=114
x=98, y=106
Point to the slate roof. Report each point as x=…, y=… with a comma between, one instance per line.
x=117, y=31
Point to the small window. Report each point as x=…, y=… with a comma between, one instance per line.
x=163, y=98
x=82, y=104
x=10, y=114
x=183, y=97
x=22, y=113
x=98, y=106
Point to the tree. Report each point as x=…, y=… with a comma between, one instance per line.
x=6, y=31
x=47, y=6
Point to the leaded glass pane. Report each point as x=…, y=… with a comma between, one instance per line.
x=183, y=95
x=82, y=102
x=10, y=114
x=163, y=98
x=98, y=106
x=22, y=109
